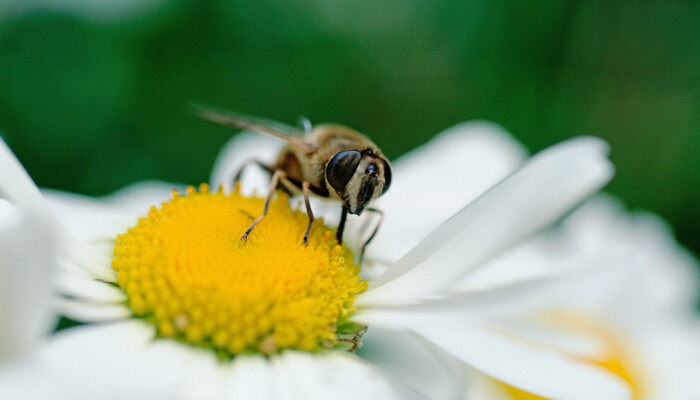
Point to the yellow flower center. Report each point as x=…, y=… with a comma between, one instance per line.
x=185, y=269
x=615, y=356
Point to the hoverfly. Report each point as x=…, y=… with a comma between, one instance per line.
x=329, y=161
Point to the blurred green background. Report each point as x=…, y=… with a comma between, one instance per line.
x=92, y=92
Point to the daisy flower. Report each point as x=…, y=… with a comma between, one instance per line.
x=633, y=312
x=181, y=308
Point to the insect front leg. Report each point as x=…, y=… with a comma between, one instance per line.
x=305, y=186
x=374, y=232
x=273, y=185
x=341, y=225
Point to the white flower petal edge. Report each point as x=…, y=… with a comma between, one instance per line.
x=86, y=311
x=107, y=361
x=672, y=358
x=636, y=270
x=342, y=375
x=20, y=190
x=643, y=293
x=528, y=368
x=167, y=369
x=547, y=186
x=85, y=288
x=476, y=329
x=138, y=198
x=88, y=220
x=95, y=220
x=636, y=302
x=406, y=357
x=642, y=248
x=26, y=247
x=491, y=305
x=433, y=182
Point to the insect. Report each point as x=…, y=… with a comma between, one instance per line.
x=329, y=161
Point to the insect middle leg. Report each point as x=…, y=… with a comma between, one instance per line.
x=273, y=185
x=374, y=232
x=305, y=186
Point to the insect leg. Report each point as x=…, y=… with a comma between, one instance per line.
x=273, y=185
x=305, y=187
x=374, y=232
x=341, y=225
x=239, y=172
x=356, y=339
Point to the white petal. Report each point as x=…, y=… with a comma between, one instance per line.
x=26, y=269
x=645, y=273
x=193, y=373
x=477, y=306
x=549, y=184
x=483, y=387
x=160, y=369
x=17, y=186
x=528, y=368
x=90, y=312
x=434, y=181
x=25, y=379
x=86, y=341
x=68, y=266
x=332, y=375
x=138, y=198
x=123, y=361
x=109, y=362
x=8, y=210
x=86, y=288
x=88, y=219
x=20, y=190
x=250, y=377
x=243, y=147
x=635, y=272
x=669, y=357
x=92, y=262
x=406, y=359
x=542, y=256
x=203, y=376
x=583, y=345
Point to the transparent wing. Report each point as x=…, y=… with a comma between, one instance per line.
x=286, y=132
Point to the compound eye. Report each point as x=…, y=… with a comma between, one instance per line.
x=341, y=168
x=387, y=177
